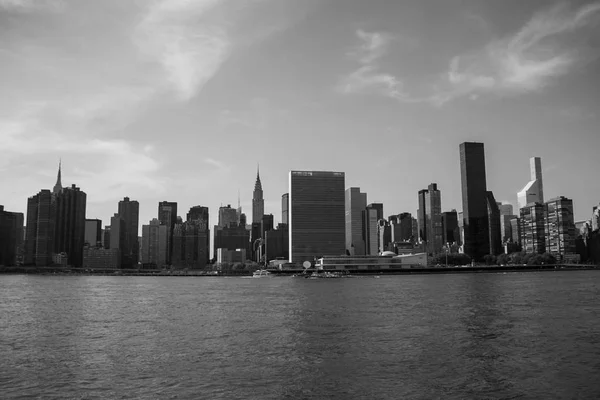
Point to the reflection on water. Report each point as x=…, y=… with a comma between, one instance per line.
x=519, y=335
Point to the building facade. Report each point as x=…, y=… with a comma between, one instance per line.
x=285, y=206
x=476, y=243
x=11, y=237
x=69, y=234
x=316, y=215
x=355, y=204
x=450, y=227
x=494, y=225
x=191, y=245
x=532, y=227
x=559, y=229
x=371, y=216
x=129, y=211
x=167, y=215
x=93, y=232
x=154, y=244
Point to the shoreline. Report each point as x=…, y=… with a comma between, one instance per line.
x=20, y=270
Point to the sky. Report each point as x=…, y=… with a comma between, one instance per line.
x=180, y=100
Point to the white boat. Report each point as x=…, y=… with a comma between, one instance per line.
x=261, y=273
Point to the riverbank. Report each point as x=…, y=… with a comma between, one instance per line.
x=203, y=273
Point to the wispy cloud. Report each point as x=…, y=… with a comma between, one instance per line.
x=526, y=61
x=368, y=78
x=220, y=165
x=188, y=38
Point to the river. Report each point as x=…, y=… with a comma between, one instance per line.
x=482, y=336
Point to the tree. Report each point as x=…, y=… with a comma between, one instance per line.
x=548, y=258
x=503, y=259
x=489, y=259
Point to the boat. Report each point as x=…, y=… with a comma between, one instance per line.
x=328, y=275
x=261, y=273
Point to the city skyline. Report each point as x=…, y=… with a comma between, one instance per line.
x=125, y=129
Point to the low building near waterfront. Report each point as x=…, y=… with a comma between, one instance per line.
x=231, y=256
x=388, y=260
x=97, y=257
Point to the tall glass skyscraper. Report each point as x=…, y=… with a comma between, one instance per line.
x=316, y=214
x=474, y=200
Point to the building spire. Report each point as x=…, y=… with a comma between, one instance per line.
x=258, y=184
x=58, y=186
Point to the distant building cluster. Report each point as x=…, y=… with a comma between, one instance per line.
x=320, y=218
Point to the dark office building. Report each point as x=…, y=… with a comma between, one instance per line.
x=495, y=232
x=93, y=232
x=167, y=215
x=266, y=224
x=11, y=237
x=191, y=244
x=450, y=227
x=106, y=237
x=474, y=195
x=70, y=224
x=422, y=215
x=39, y=235
x=405, y=221
x=316, y=215
x=129, y=211
x=231, y=238
x=276, y=243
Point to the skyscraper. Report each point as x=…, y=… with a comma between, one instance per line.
x=70, y=224
x=533, y=192
x=494, y=224
x=433, y=218
x=117, y=234
x=317, y=220
x=474, y=195
x=228, y=216
x=198, y=213
x=371, y=216
x=450, y=227
x=258, y=204
x=129, y=211
x=355, y=204
x=285, y=206
x=40, y=229
x=405, y=220
x=191, y=241
x=429, y=216
x=167, y=215
x=11, y=236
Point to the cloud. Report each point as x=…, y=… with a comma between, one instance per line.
x=368, y=78
x=188, y=38
x=215, y=163
x=526, y=61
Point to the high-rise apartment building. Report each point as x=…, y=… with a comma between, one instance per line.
x=167, y=215
x=129, y=211
x=69, y=235
x=559, y=228
x=494, y=224
x=40, y=229
x=228, y=216
x=533, y=192
x=476, y=242
x=258, y=203
x=316, y=215
x=154, y=244
x=93, y=232
x=355, y=204
x=532, y=227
